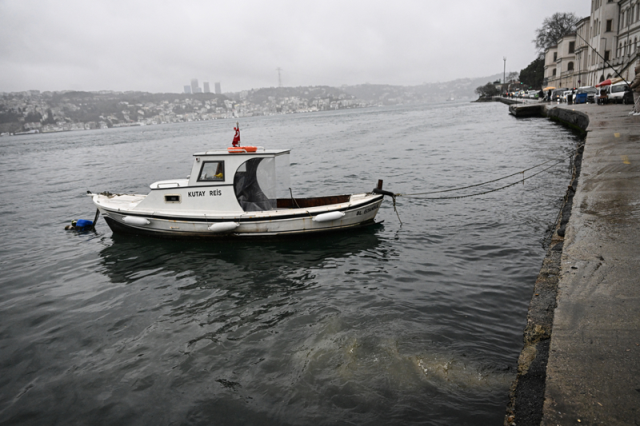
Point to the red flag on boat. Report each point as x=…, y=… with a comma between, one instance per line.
x=236, y=137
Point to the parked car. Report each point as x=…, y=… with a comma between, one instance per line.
x=586, y=94
x=565, y=95
x=616, y=92
x=557, y=94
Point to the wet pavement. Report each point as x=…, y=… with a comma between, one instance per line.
x=593, y=370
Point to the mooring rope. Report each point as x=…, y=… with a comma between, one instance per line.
x=484, y=192
x=396, y=210
x=418, y=194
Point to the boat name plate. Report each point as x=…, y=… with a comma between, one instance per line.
x=213, y=193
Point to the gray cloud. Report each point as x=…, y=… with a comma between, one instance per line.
x=159, y=46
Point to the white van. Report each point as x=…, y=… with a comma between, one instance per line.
x=615, y=92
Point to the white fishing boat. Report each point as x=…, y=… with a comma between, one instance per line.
x=241, y=192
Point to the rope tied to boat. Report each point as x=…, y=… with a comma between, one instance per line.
x=418, y=195
x=395, y=209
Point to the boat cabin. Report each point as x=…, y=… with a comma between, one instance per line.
x=226, y=182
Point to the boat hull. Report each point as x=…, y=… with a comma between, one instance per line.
x=254, y=224
x=120, y=228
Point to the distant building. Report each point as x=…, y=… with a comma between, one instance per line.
x=206, y=87
x=218, y=89
x=606, y=44
x=187, y=89
x=194, y=86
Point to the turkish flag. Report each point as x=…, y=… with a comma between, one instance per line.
x=236, y=137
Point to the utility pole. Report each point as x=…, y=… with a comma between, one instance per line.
x=279, y=77
x=504, y=72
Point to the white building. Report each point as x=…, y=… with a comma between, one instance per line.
x=605, y=45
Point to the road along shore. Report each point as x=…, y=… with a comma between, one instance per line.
x=581, y=357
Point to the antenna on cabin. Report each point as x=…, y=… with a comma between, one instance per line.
x=279, y=77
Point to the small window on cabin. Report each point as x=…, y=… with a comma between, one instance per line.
x=171, y=198
x=211, y=171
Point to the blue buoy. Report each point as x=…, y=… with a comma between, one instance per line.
x=83, y=224
x=80, y=225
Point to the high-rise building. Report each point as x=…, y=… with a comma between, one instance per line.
x=194, y=86
x=206, y=87
x=187, y=89
x=218, y=90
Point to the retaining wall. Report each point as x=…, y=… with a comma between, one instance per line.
x=526, y=397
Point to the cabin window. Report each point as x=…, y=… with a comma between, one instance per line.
x=211, y=171
x=171, y=198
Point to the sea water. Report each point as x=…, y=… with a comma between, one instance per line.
x=417, y=320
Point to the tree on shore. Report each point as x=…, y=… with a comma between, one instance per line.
x=553, y=29
x=533, y=75
x=511, y=76
x=487, y=91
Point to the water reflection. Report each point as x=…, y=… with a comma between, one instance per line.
x=210, y=264
x=230, y=289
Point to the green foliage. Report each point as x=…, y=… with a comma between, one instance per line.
x=533, y=74
x=487, y=91
x=49, y=119
x=10, y=116
x=11, y=127
x=33, y=117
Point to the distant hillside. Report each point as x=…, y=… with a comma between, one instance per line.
x=35, y=112
x=385, y=94
x=374, y=94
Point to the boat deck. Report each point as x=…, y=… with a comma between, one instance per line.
x=126, y=201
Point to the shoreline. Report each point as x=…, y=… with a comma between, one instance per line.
x=580, y=360
x=526, y=396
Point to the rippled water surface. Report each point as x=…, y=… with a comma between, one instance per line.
x=419, y=323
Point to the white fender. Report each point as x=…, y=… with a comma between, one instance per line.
x=223, y=227
x=134, y=220
x=328, y=217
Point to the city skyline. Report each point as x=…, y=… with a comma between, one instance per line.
x=194, y=87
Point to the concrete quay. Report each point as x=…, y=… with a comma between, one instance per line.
x=581, y=360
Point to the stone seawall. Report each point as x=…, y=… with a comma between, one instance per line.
x=575, y=120
x=526, y=397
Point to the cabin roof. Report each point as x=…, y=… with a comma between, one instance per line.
x=260, y=152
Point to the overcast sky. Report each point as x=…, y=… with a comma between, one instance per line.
x=159, y=46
